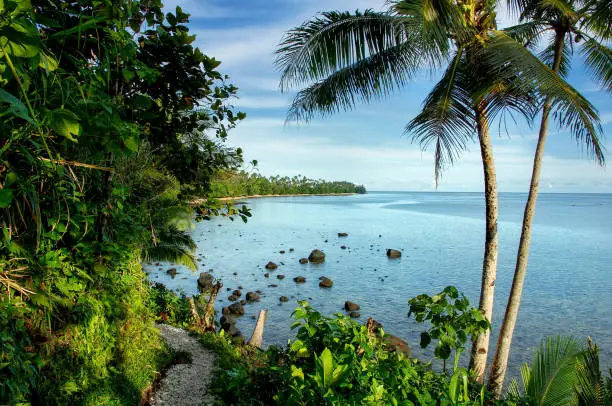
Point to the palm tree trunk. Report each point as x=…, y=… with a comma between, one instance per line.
x=480, y=344
x=502, y=352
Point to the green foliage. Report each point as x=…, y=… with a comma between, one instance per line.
x=452, y=320
x=97, y=121
x=232, y=183
x=168, y=307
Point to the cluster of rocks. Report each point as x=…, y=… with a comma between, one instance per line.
x=352, y=309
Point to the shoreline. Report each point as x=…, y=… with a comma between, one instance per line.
x=232, y=198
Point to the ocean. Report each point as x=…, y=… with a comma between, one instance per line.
x=568, y=288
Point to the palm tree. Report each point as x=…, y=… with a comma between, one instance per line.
x=568, y=26
x=346, y=58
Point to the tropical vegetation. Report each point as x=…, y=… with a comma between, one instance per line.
x=343, y=58
x=233, y=183
x=111, y=120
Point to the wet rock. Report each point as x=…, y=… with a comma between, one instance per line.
x=252, y=296
x=205, y=281
x=240, y=287
x=272, y=285
x=235, y=273
x=354, y=314
x=343, y=247
x=350, y=306
x=237, y=293
x=232, y=298
x=267, y=275
x=342, y=234
x=283, y=299
x=271, y=266
x=326, y=283
x=281, y=251
x=299, y=279
x=243, y=302
x=236, y=309
x=393, y=343
x=303, y=260
x=259, y=291
x=280, y=276
x=172, y=272
x=291, y=250
x=226, y=321
x=391, y=253
x=317, y=257
x=157, y=264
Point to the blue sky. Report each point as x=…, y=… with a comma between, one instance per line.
x=367, y=145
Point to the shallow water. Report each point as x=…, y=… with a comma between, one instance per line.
x=568, y=286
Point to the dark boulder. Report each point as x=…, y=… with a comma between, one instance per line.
x=391, y=253
x=354, y=314
x=326, y=283
x=267, y=275
x=303, y=260
x=283, y=299
x=205, y=281
x=343, y=247
x=237, y=293
x=280, y=276
x=281, y=251
x=299, y=279
x=317, y=257
x=350, y=306
x=236, y=309
x=342, y=234
x=172, y=272
x=252, y=296
x=271, y=266
x=232, y=298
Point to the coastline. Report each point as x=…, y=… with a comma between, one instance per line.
x=233, y=198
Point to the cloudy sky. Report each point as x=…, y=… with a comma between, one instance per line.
x=367, y=145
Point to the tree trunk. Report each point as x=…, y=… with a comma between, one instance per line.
x=502, y=352
x=257, y=337
x=480, y=344
x=208, y=321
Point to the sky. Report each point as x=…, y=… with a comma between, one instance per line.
x=367, y=145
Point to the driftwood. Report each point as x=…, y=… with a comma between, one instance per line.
x=257, y=337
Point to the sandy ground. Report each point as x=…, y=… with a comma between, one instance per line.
x=185, y=384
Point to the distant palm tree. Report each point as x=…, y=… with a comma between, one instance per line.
x=572, y=24
x=362, y=56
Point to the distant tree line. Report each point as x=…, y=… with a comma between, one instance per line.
x=242, y=183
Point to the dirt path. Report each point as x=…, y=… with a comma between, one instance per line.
x=185, y=384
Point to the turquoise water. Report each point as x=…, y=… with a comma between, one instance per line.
x=568, y=286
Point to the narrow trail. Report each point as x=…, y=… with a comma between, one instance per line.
x=185, y=384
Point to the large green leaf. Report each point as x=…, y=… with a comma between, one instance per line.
x=64, y=122
x=20, y=39
x=16, y=107
x=6, y=196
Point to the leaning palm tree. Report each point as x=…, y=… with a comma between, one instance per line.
x=570, y=27
x=345, y=58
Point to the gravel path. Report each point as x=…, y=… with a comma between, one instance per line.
x=185, y=384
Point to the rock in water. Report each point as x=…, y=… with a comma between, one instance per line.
x=342, y=234
x=303, y=260
x=237, y=293
x=299, y=279
x=284, y=299
x=280, y=276
x=271, y=266
x=205, y=281
x=236, y=309
x=391, y=253
x=172, y=272
x=354, y=314
x=326, y=283
x=252, y=296
x=317, y=257
x=350, y=306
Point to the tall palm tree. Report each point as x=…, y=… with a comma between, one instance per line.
x=346, y=58
x=571, y=26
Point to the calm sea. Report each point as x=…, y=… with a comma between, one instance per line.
x=568, y=286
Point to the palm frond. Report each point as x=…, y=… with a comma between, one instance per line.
x=598, y=60
x=590, y=389
x=171, y=245
x=370, y=78
x=447, y=120
x=514, y=63
x=553, y=374
x=599, y=19
x=335, y=40
x=435, y=18
x=528, y=34
x=549, y=7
